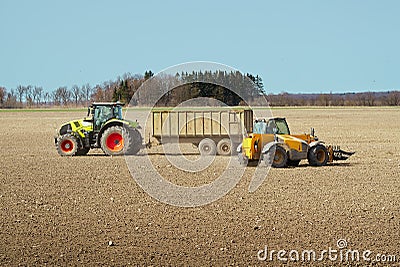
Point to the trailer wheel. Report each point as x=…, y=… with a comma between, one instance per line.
x=207, y=147
x=318, y=156
x=224, y=147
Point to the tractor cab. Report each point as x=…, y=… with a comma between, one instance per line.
x=102, y=112
x=272, y=126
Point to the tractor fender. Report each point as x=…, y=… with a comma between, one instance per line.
x=272, y=144
x=313, y=144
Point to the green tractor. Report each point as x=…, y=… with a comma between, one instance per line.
x=103, y=128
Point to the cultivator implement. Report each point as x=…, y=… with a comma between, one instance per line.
x=336, y=153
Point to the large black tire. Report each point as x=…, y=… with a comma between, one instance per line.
x=278, y=160
x=135, y=141
x=67, y=145
x=207, y=147
x=224, y=147
x=318, y=156
x=82, y=151
x=118, y=140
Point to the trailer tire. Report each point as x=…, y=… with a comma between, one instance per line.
x=207, y=147
x=224, y=147
x=318, y=155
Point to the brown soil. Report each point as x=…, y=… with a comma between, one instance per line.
x=89, y=210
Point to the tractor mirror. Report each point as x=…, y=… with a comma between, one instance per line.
x=88, y=112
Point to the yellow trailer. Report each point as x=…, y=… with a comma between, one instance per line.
x=213, y=131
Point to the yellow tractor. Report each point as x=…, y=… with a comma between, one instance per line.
x=272, y=143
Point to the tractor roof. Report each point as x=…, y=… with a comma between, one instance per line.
x=108, y=104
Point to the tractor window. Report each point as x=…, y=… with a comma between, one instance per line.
x=102, y=114
x=118, y=112
x=259, y=127
x=282, y=127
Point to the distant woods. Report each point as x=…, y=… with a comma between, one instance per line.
x=248, y=90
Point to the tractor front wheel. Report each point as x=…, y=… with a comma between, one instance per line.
x=318, y=155
x=67, y=145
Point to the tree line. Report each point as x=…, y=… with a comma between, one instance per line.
x=248, y=90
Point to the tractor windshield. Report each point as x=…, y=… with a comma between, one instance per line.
x=278, y=125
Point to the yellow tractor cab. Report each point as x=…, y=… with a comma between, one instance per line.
x=272, y=143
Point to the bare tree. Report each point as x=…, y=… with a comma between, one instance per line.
x=46, y=98
x=76, y=93
x=29, y=95
x=393, y=98
x=37, y=94
x=87, y=91
x=11, y=100
x=64, y=95
x=55, y=97
x=20, y=90
x=3, y=93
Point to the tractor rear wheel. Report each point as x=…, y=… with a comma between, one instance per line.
x=224, y=147
x=113, y=141
x=67, y=145
x=135, y=141
x=318, y=156
x=119, y=140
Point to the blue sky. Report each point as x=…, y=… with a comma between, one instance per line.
x=295, y=46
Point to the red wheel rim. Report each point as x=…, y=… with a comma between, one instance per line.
x=115, y=142
x=67, y=146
